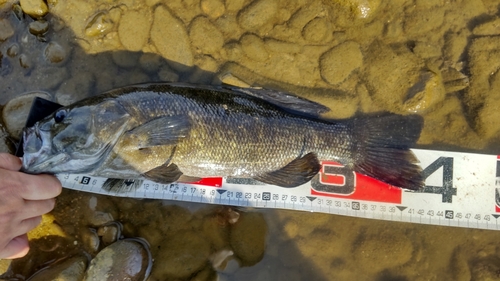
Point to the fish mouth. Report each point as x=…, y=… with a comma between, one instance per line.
x=37, y=150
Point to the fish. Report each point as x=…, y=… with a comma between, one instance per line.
x=168, y=132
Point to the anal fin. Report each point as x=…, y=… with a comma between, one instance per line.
x=296, y=173
x=166, y=173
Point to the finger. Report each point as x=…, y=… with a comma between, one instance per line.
x=39, y=187
x=34, y=208
x=16, y=248
x=10, y=162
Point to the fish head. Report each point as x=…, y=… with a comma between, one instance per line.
x=74, y=139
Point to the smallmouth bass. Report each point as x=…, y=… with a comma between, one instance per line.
x=169, y=132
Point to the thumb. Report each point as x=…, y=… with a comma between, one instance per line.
x=10, y=162
x=16, y=248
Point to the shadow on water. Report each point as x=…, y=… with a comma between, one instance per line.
x=56, y=63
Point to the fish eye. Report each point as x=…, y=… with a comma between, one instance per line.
x=59, y=116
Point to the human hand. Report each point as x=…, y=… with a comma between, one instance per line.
x=23, y=200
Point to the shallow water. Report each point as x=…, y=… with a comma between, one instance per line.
x=438, y=59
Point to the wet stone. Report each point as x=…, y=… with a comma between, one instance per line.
x=317, y=30
x=6, y=30
x=339, y=62
x=55, y=53
x=213, y=8
x=248, y=238
x=182, y=255
x=13, y=50
x=165, y=25
x=34, y=8
x=38, y=27
x=16, y=111
x=110, y=232
x=257, y=13
x=24, y=61
x=127, y=259
x=99, y=25
x=254, y=47
x=150, y=62
x=488, y=28
x=134, y=30
x=205, y=37
x=72, y=269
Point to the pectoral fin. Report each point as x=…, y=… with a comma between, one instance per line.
x=167, y=130
x=166, y=173
x=297, y=172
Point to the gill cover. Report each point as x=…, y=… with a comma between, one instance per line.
x=74, y=139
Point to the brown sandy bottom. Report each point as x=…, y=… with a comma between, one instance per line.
x=436, y=58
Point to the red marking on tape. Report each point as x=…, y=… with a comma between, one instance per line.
x=334, y=176
x=215, y=182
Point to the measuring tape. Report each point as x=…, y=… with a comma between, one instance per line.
x=461, y=189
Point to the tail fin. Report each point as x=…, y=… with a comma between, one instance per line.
x=383, y=149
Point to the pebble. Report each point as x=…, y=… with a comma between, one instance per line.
x=134, y=30
x=99, y=25
x=25, y=62
x=16, y=111
x=125, y=59
x=387, y=249
x=213, y=8
x=397, y=80
x=254, y=47
x=340, y=61
x=488, y=28
x=6, y=30
x=90, y=240
x=205, y=37
x=419, y=21
x=182, y=254
x=257, y=13
x=34, y=8
x=127, y=259
x=150, y=62
x=248, y=238
x=13, y=50
x=38, y=27
x=110, y=232
x=71, y=269
x=317, y=30
x=75, y=89
x=55, y=53
x=165, y=25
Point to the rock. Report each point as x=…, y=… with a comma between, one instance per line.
x=13, y=50
x=254, y=47
x=426, y=50
x=488, y=28
x=176, y=50
x=34, y=8
x=387, y=249
x=183, y=254
x=90, y=240
x=125, y=59
x=248, y=238
x=55, y=53
x=205, y=37
x=6, y=30
x=134, y=30
x=150, y=62
x=455, y=44
x=485, y=269
x=71, y=269
x=127, y=259
x=257, y=14
x=421, y=21
x=99, y=25
x=340, y=61
x=398, y=80
x=318, y=30
x=361, y=9
x=38, y=27
x=75, y=89
x=16, y=111
x=213, y=8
